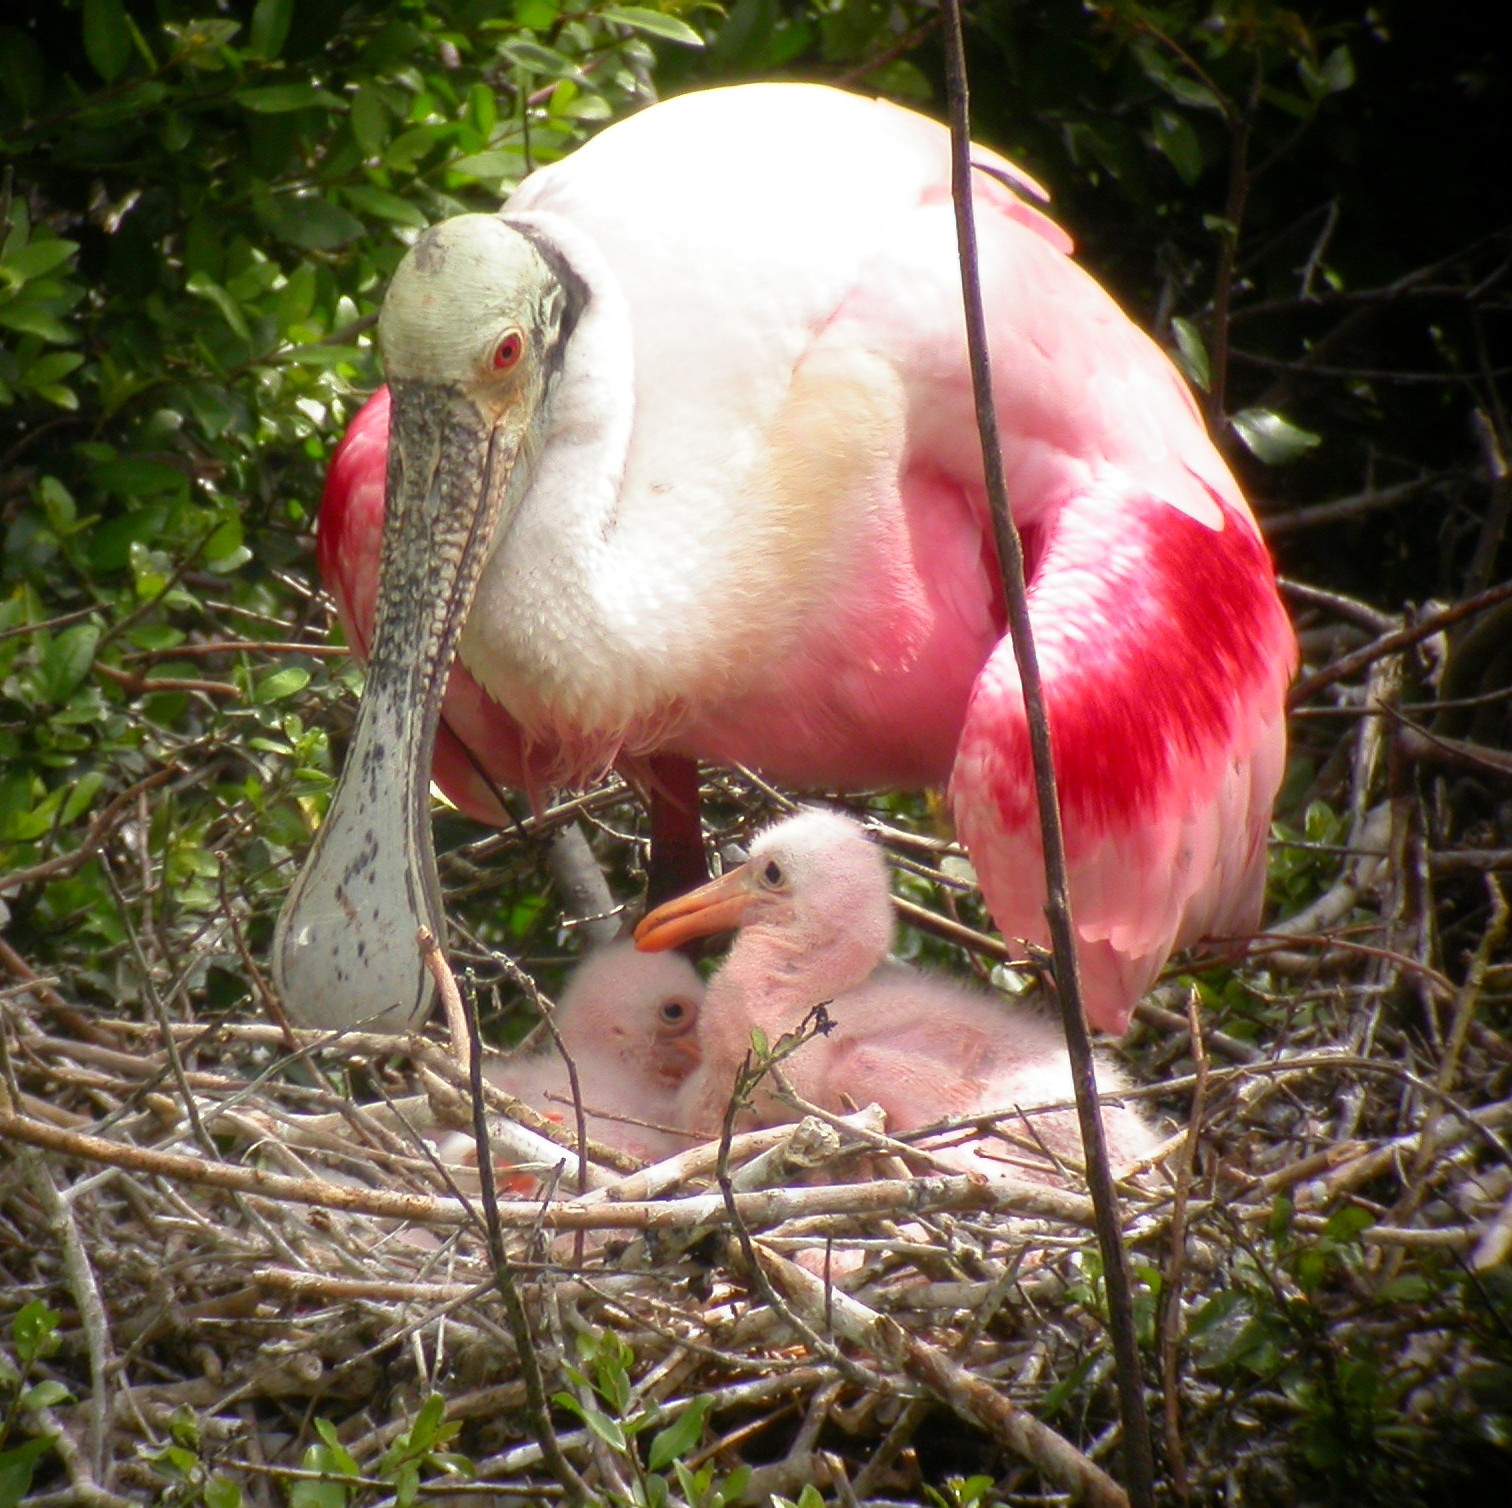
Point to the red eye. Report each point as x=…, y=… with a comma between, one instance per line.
x=508, y=351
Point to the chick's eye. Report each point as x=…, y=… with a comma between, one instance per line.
x=676, y=1013
x=771, y=874
x=508, y=351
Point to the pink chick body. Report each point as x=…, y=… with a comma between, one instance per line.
x=629, y=1020
x=815, y=922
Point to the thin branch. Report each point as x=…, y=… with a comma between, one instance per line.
x=1139, y=1453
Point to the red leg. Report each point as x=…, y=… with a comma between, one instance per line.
x=677, y=862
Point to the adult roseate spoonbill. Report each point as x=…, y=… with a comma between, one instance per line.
x=816, y=922
x=681, y=457
x=630, y=1022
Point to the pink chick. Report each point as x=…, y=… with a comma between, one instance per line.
x=815, y=923
x=629, y=1020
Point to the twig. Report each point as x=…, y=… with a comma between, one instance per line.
x=974, y=1399
x=1170, y=1314
x=1139, y=1452
x=92, y=1311
x=557, y=1464
x=581, y=885
x=451, y=998
x=1397, y=640
x=94, y=838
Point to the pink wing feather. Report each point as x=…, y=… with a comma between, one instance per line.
x=1163, y=647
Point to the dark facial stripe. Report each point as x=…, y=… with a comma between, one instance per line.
x=574, y=290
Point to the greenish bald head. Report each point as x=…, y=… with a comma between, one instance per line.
x=475, y=303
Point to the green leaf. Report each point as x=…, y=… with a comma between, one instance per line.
x=16, y=1468
x=67, y=660
x=51, y=367
x=335, y=1457
x=679, y=1437
x=39, y=257
x=506, y=162
x=54, y=393
x=45, y=1394
x=538, y=59
x=279, y=99
x=278, y=684
x=653, y=23
x=207, y=288
x=270, y=27
x=1271, y=438
x=81, y=797
x=310, y=222
x=369, y=118
x=1333, y=76
x=483, y=109
x=386, y=206
x=1193, y=352
x=140, y=477
x=1215, y=1310
x=107, y=37
x=35, y=1331
x=30, y=320
x=23, y=75
x=422, y=1433
x=227, y=538
x=220, y=1493
x=608, y=1430
x=1178, y=141
x=537, y=15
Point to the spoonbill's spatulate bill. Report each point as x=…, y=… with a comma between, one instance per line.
x=681, y=460
x=815, y=923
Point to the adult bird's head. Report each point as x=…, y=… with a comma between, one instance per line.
x=473, y=333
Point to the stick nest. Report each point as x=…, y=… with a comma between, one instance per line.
x=259, y=1272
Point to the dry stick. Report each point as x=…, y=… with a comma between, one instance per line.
x=1492, y=939
x=1398, y=639
x=1497, y=515
x=93, y=1317
x=964, y=1191
x=547, y=1012
x=580, y=883
x=1139, y=1453
x=519, y=1322
x=973, y=1398
x=504, y=1280
x=747, y=1079
x=1171, y=1287
x=451, y=999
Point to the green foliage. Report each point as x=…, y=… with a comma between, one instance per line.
x=603, y=1400
x=34, y=1338
x=200, y=213
x=1304, y=862
x=193, y=1481
x=963, y=1492
x=810, y=1497
x=415, y=1463
x=341, y=1478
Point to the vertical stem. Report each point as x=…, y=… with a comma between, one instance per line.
x=1138, y=1449
x=1228, y=257
x=574, y=1491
